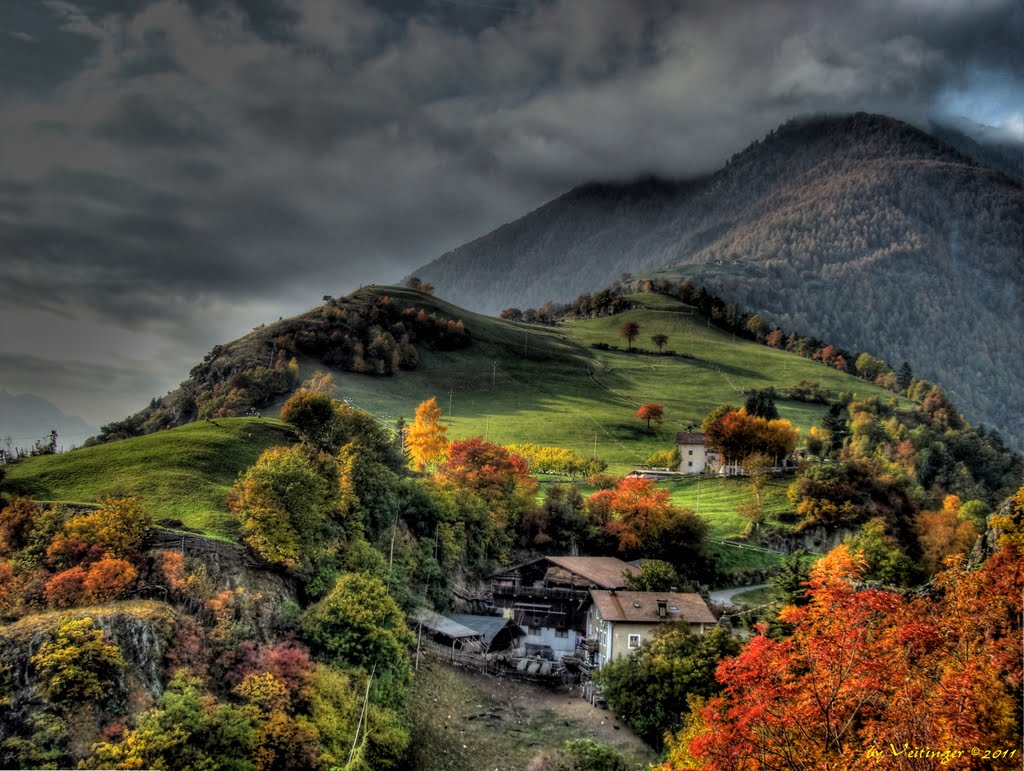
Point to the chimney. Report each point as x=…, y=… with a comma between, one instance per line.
x=662, y=608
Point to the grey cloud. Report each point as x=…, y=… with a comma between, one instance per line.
x=210, y=154
x=143, y=121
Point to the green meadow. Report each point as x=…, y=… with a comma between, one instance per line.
x=183, y=473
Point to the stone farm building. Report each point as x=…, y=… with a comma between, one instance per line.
x=549, y=597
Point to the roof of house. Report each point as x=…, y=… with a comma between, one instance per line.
x=488, y=626
x=602, y=572
x=642, y=607
x=690, y=437
x=435, y=622
x=605, y=572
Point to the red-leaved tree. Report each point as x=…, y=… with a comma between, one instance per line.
x=650, y=411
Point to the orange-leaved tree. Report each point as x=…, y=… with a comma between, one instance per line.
x=425, y=439
x=639, y=520
x=650, y=411
x=866, y=671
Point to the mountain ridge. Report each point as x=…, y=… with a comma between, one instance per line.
x=862, y=229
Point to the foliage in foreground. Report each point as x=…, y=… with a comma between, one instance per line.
x=864, y=668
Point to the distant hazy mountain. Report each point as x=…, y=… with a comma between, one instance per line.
x=861, y=230
x=25, y=418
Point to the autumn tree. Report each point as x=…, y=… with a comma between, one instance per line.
x=77, y=663
x=944, y=533
x=650, y=411
x=736, y=436
x=629, y=330
x=867, y=669
x=639, y=520
x=499, y=477
x=284, y=503
x=16, y=523
x=659, y=340
x=425, y=439
x=115, y=529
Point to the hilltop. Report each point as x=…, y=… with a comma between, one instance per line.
x=861, y=229
x=182, y=474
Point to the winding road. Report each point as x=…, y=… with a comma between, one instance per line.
x=724, y=596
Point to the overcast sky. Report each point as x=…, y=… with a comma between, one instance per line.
x=174, y=172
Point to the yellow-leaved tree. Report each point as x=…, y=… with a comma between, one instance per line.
x=425, y=439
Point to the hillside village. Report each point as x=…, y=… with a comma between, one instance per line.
x=317, y=579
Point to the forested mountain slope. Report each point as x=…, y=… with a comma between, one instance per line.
x=860, y=229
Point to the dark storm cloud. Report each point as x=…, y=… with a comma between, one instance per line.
x=162, y=158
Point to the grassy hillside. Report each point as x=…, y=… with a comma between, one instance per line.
x=546, y=385
x=515, y=383
x=182, y=473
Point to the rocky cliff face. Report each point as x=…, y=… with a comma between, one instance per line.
x=140, y=629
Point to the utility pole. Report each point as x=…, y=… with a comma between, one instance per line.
x=494, y=374
x=487, y=425
x=450, y=390
x=526, y=341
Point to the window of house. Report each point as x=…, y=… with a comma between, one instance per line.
x=691, y=452
x=633, y=641
x=561, y=633
x=691, y=463
x=533, y=631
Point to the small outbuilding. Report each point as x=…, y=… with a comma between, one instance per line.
x=497, y=633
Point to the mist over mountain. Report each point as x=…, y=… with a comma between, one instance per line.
x=25, y=418
x=860, y=229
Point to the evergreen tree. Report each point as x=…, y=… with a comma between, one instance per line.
x=904, y=377
x=837, y=426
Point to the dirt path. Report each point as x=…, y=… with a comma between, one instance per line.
x=471, y=721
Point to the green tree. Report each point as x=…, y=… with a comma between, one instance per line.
x=187, y=729
x=649, y=689
x=790, y=582
x=884, y=559
x=759, y=470
x=761, y=404
x=904, y=377
x=358, y=624
x=654, y=576
x=659, y=340
x=837, y=426
x=311, y=414
x=629, y=330
x=669, y=459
